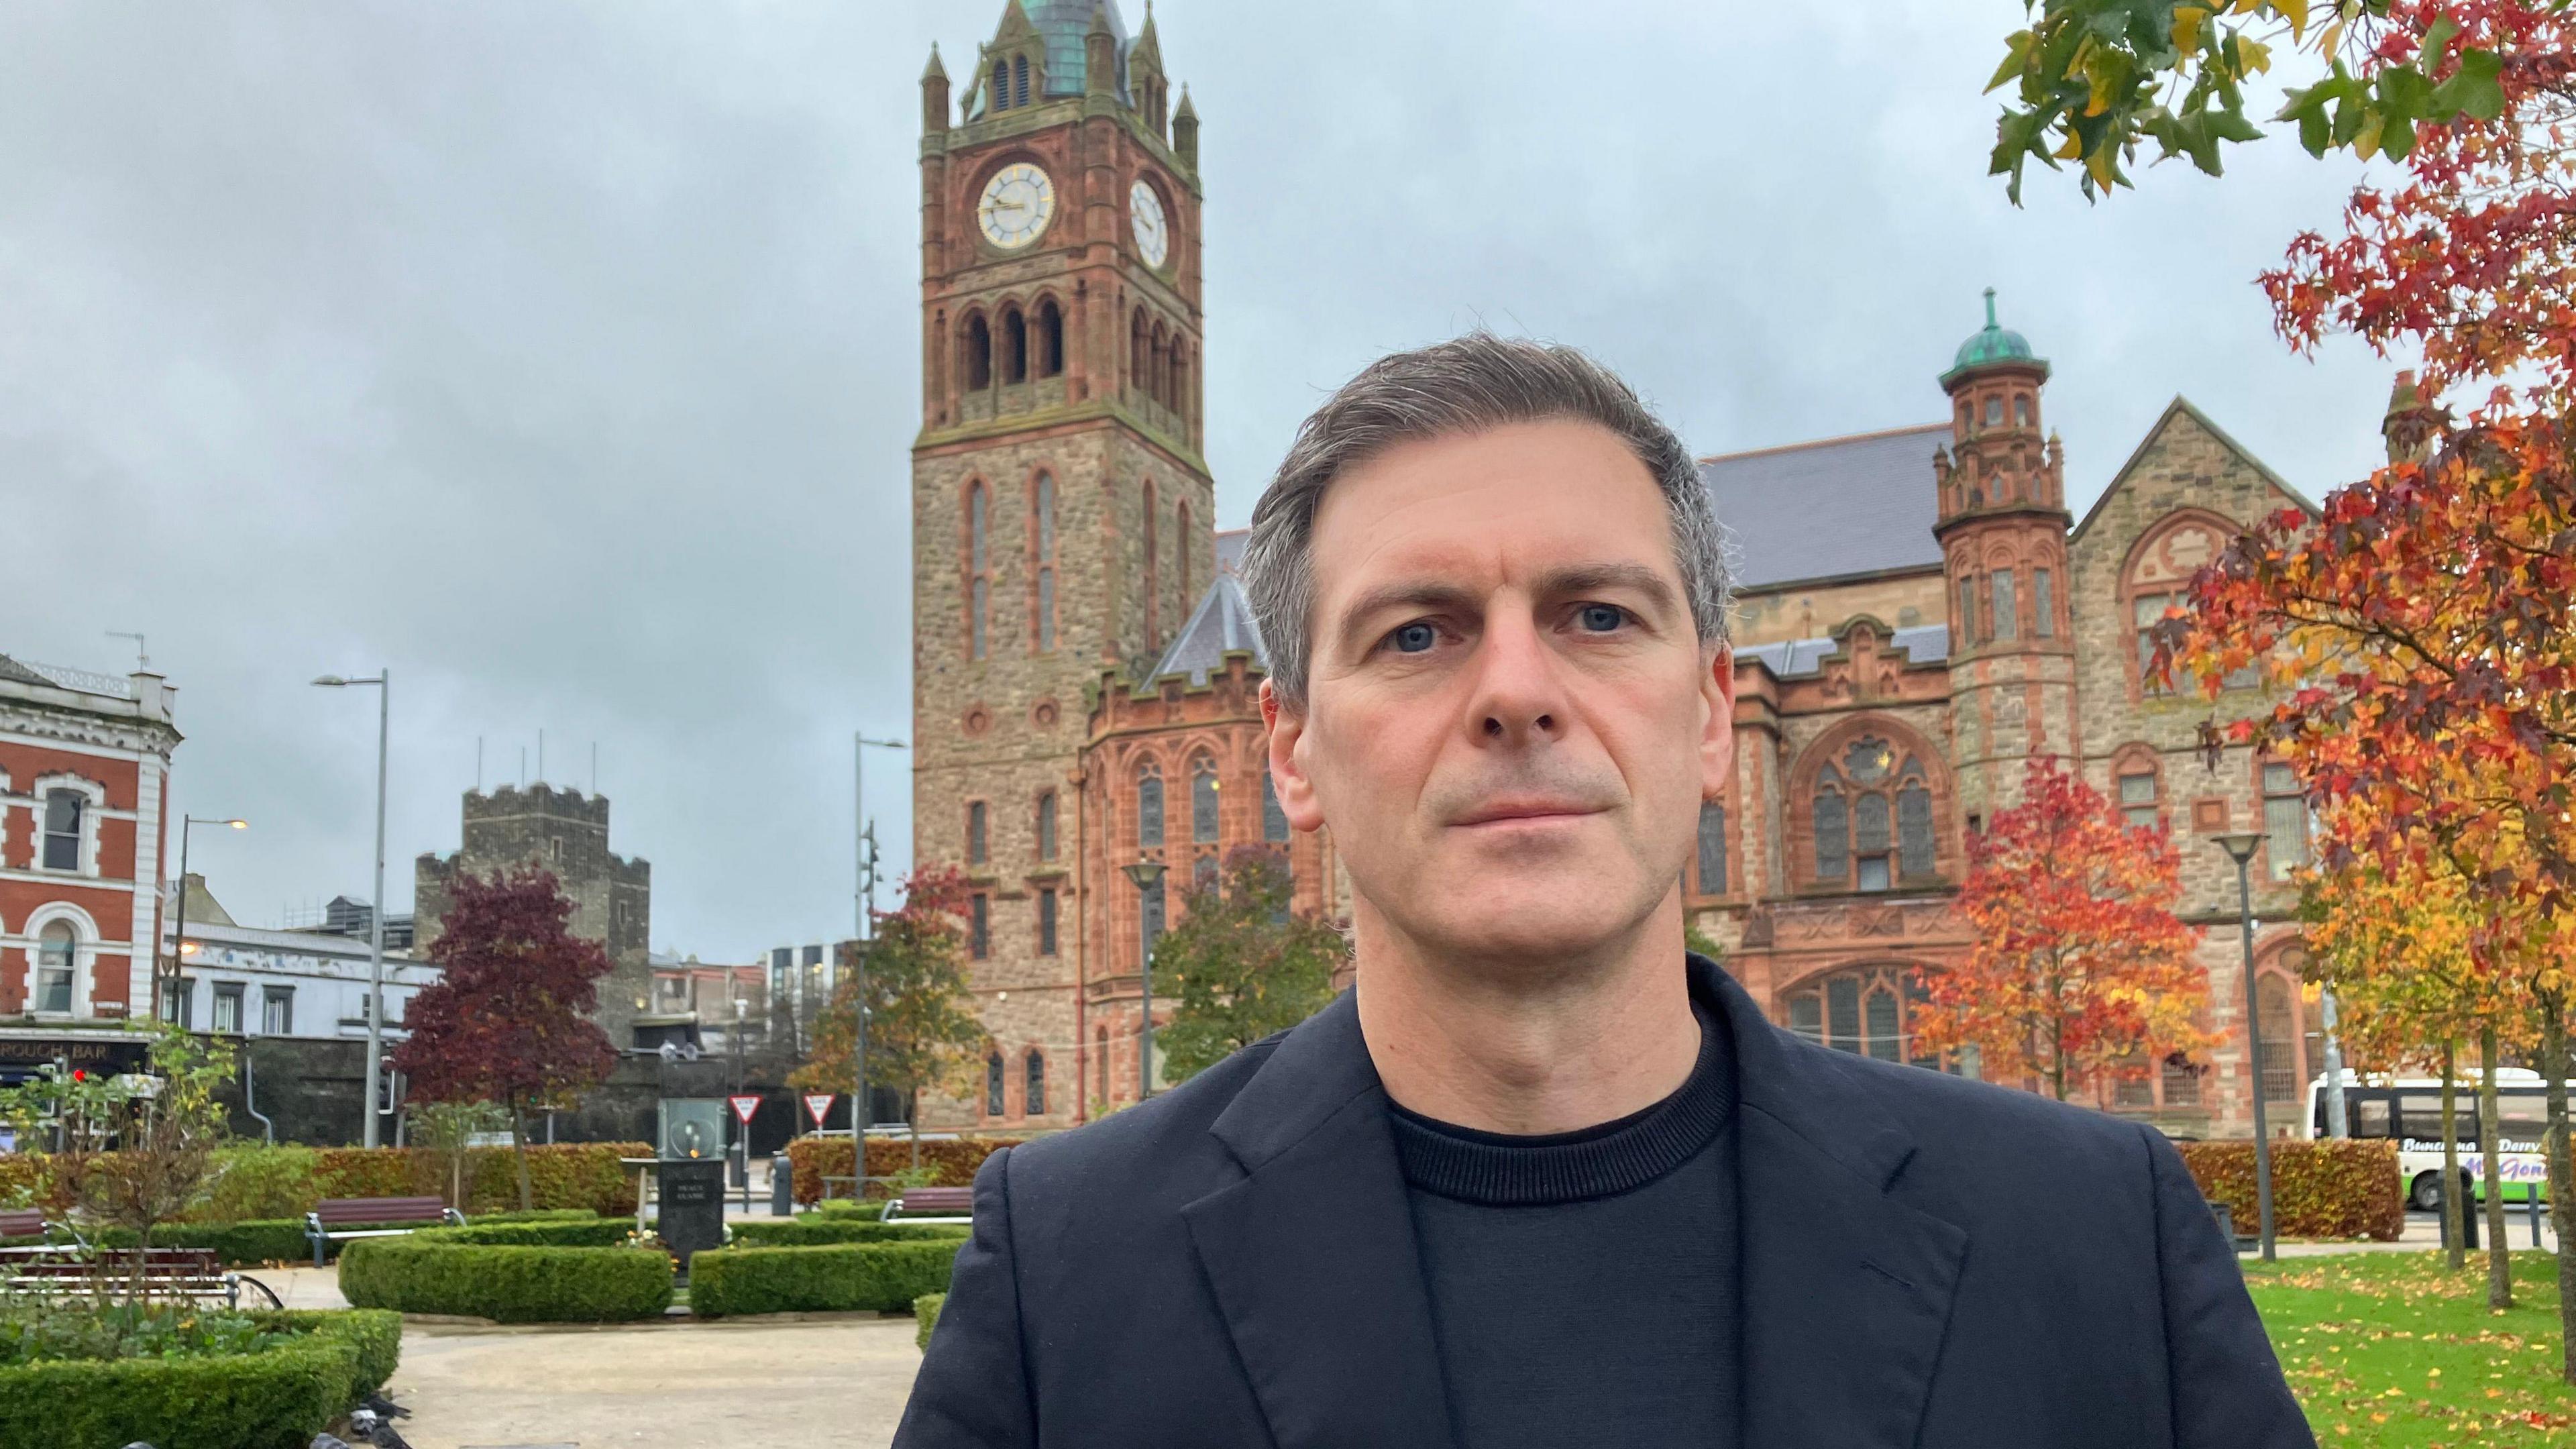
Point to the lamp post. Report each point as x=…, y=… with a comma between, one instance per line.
x=383, y=683
x=2240, y=847
x=866, y=894
x=1148, y=876
x=179, y=930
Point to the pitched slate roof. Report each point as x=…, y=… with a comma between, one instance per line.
x=1793, y=658
x=1221, y=624
x=1842, y=506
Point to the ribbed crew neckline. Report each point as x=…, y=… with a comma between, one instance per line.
x=1503, y=1170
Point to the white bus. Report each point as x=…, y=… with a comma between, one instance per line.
x=2409, y=1109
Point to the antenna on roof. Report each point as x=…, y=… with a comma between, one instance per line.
x=478, y=764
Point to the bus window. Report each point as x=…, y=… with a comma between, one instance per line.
x=2520, y=1123
x=2370, y=1117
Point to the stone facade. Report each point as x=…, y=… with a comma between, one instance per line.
x=566, y=833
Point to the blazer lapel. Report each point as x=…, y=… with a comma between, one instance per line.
x=1312, y=1255
x=1847, y=1290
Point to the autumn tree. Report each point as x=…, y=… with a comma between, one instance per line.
x=922, y=1030
x=508, y=1020
x=1241, y=963
x=2080, y=968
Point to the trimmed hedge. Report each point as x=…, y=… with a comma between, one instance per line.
x=576, y=1175
x=815, y=1230
x=926, y=1308
x=852, y=1277
x=953, y=1158
x=507, y=1284
x=282, y=1240
x=277, y=1399
x=582, y=1232
x=2341, y=1188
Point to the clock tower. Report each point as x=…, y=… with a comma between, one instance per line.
x=1062, y=515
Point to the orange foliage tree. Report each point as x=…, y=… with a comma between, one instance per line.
x=2080, y=969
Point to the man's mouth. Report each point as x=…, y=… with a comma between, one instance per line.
x=1526, y=812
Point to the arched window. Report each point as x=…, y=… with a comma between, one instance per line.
x=1136, y=353
x=1001, y=85
x=57, y=963
x=2006, y=620
x=1967, y=620
x=993, y=1105
x=1203, y=872
x=1866, y=1010
x=976, y=361
x=1203, y=815
x=1015, y=346
x=2043, y=604
x=2021, y=411
x=1034, y=1097
x=1158, y=367
x=1712, y=849
x=1994, y=410
x=1050, y=339
x=2277, y=1012
x=1046, y=826
x=1100, y=1062
x=1870, y=816
x=978, y=851
x=1042, y=572
x=64, y=816
x=1181, y=563
x=1153, y=574
x=2159, y=573
x=1020, y=80
x=1149, y=805
x=1152, y=907
x=1176, y=376
x=979, y=558
x=2138, y=779
x=2285, y=820
x=1274, y=821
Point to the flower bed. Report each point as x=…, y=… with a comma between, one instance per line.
x=2344, y=1188
x=512, y=1283
x=277, y=1397
x=844, y=1278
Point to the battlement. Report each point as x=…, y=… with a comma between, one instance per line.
x=508, y=801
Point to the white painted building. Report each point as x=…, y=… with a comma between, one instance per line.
x=253, y=982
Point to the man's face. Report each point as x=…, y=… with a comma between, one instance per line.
x=1510, y=723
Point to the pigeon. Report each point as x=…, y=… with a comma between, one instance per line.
x=377, y=1430
x=383, y=1407
x=324, y=1441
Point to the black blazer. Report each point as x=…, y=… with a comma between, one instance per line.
x=1927, y=1262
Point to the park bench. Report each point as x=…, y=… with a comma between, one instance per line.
x=338, y=1219
x=159, y=1272
x=31, y=1223
x=937, y=1204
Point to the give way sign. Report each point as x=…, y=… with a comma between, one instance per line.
x=743, y=1107
x=816, y=1104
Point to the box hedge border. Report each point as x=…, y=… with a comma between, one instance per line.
x=842, y=1278
x=816, y=1230
x=584, y=1175
x=507, y=1283
x=2337, y=1188
x=281, y=1240
x=276, y=1399
x=926, y=1309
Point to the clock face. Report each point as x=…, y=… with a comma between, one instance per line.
x=1017, y=205
x=1153, y=233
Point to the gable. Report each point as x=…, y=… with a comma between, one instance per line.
x=2184, y=436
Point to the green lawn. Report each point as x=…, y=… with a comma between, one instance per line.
x=2393, y=1349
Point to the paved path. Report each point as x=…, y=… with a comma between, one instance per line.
x=823, y=1383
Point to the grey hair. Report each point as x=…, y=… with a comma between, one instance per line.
x=1466, y=385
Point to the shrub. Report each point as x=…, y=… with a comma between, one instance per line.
x=258, y=1184
x=814, y=1230
x=508, y=1284
x=587, y=1231
x=852, y=1277
x=275, y=1399
x=926, y=1308
x=262, y=1183
x=2345, y=1188
x=953, y=1158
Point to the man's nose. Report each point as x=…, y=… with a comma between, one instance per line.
x=1520, y=698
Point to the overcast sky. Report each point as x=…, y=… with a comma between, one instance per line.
x=563, y=357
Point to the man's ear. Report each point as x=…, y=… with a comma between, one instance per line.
x=1717, y=734
x=1288, y=778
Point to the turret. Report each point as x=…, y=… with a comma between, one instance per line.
x=1185, y=132
x=934, y=95
x=2409, y=423
x=1100, y=55
x=1146, y=86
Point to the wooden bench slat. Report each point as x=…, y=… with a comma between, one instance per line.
x=332, y=1212
x=22, y=1222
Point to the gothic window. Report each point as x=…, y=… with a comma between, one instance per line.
x=2021, y=412
x=1203, y=815
x=978, y=560
x=1866, y=1010
x=1046, y=826
x=2006, y=617
x=1274, y=821
x=1203, y=874
x=1001, y=85
x=1034, y=1099
x=1967, y=417
x=1842, y=1013
x=2285, y=820
x=1879, y=1015
x=1181, y=551
x=2277, y=1012
x=1158, y=366
x=993, y=1082
x=978, y=358
x=64, y=810
x=1149, y=806
x=978, y=845
x=1153, y=573
x=1807, y=1014
x=1994, y=410
x=1150, y=906
x=1712, y=848
x=1046, y=920
x=2159, y=574
x=1015, y=346
x=1136, y=352
x=1100, y=1062
x=1870, y=817
x=2148, y=610
x=1020, y=80
x=1042, y=541
x=1175, y=374
x=2043, y=604
x=1050, y=339
x=57, y=961
x=979, y=927
x=1967, y=610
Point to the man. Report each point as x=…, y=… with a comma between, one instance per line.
x=1540, y=1179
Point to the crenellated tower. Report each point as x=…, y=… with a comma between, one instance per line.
x=2002, y=524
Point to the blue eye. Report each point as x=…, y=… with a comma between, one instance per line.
x=1413, y=638
x=1602, y=618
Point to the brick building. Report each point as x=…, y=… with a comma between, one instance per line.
x=84, y=772
x=1919, y=614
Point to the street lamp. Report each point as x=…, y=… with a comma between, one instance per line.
x=1148, y=876
x=383, y=683
x=179, y=931
x=2240, y=847
x=866, y=896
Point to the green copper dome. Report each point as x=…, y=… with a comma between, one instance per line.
x=1992, y=344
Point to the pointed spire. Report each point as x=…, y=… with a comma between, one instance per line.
x=934, y=95
x=934, y=70
x=1185, y=131
x=1100, y=19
